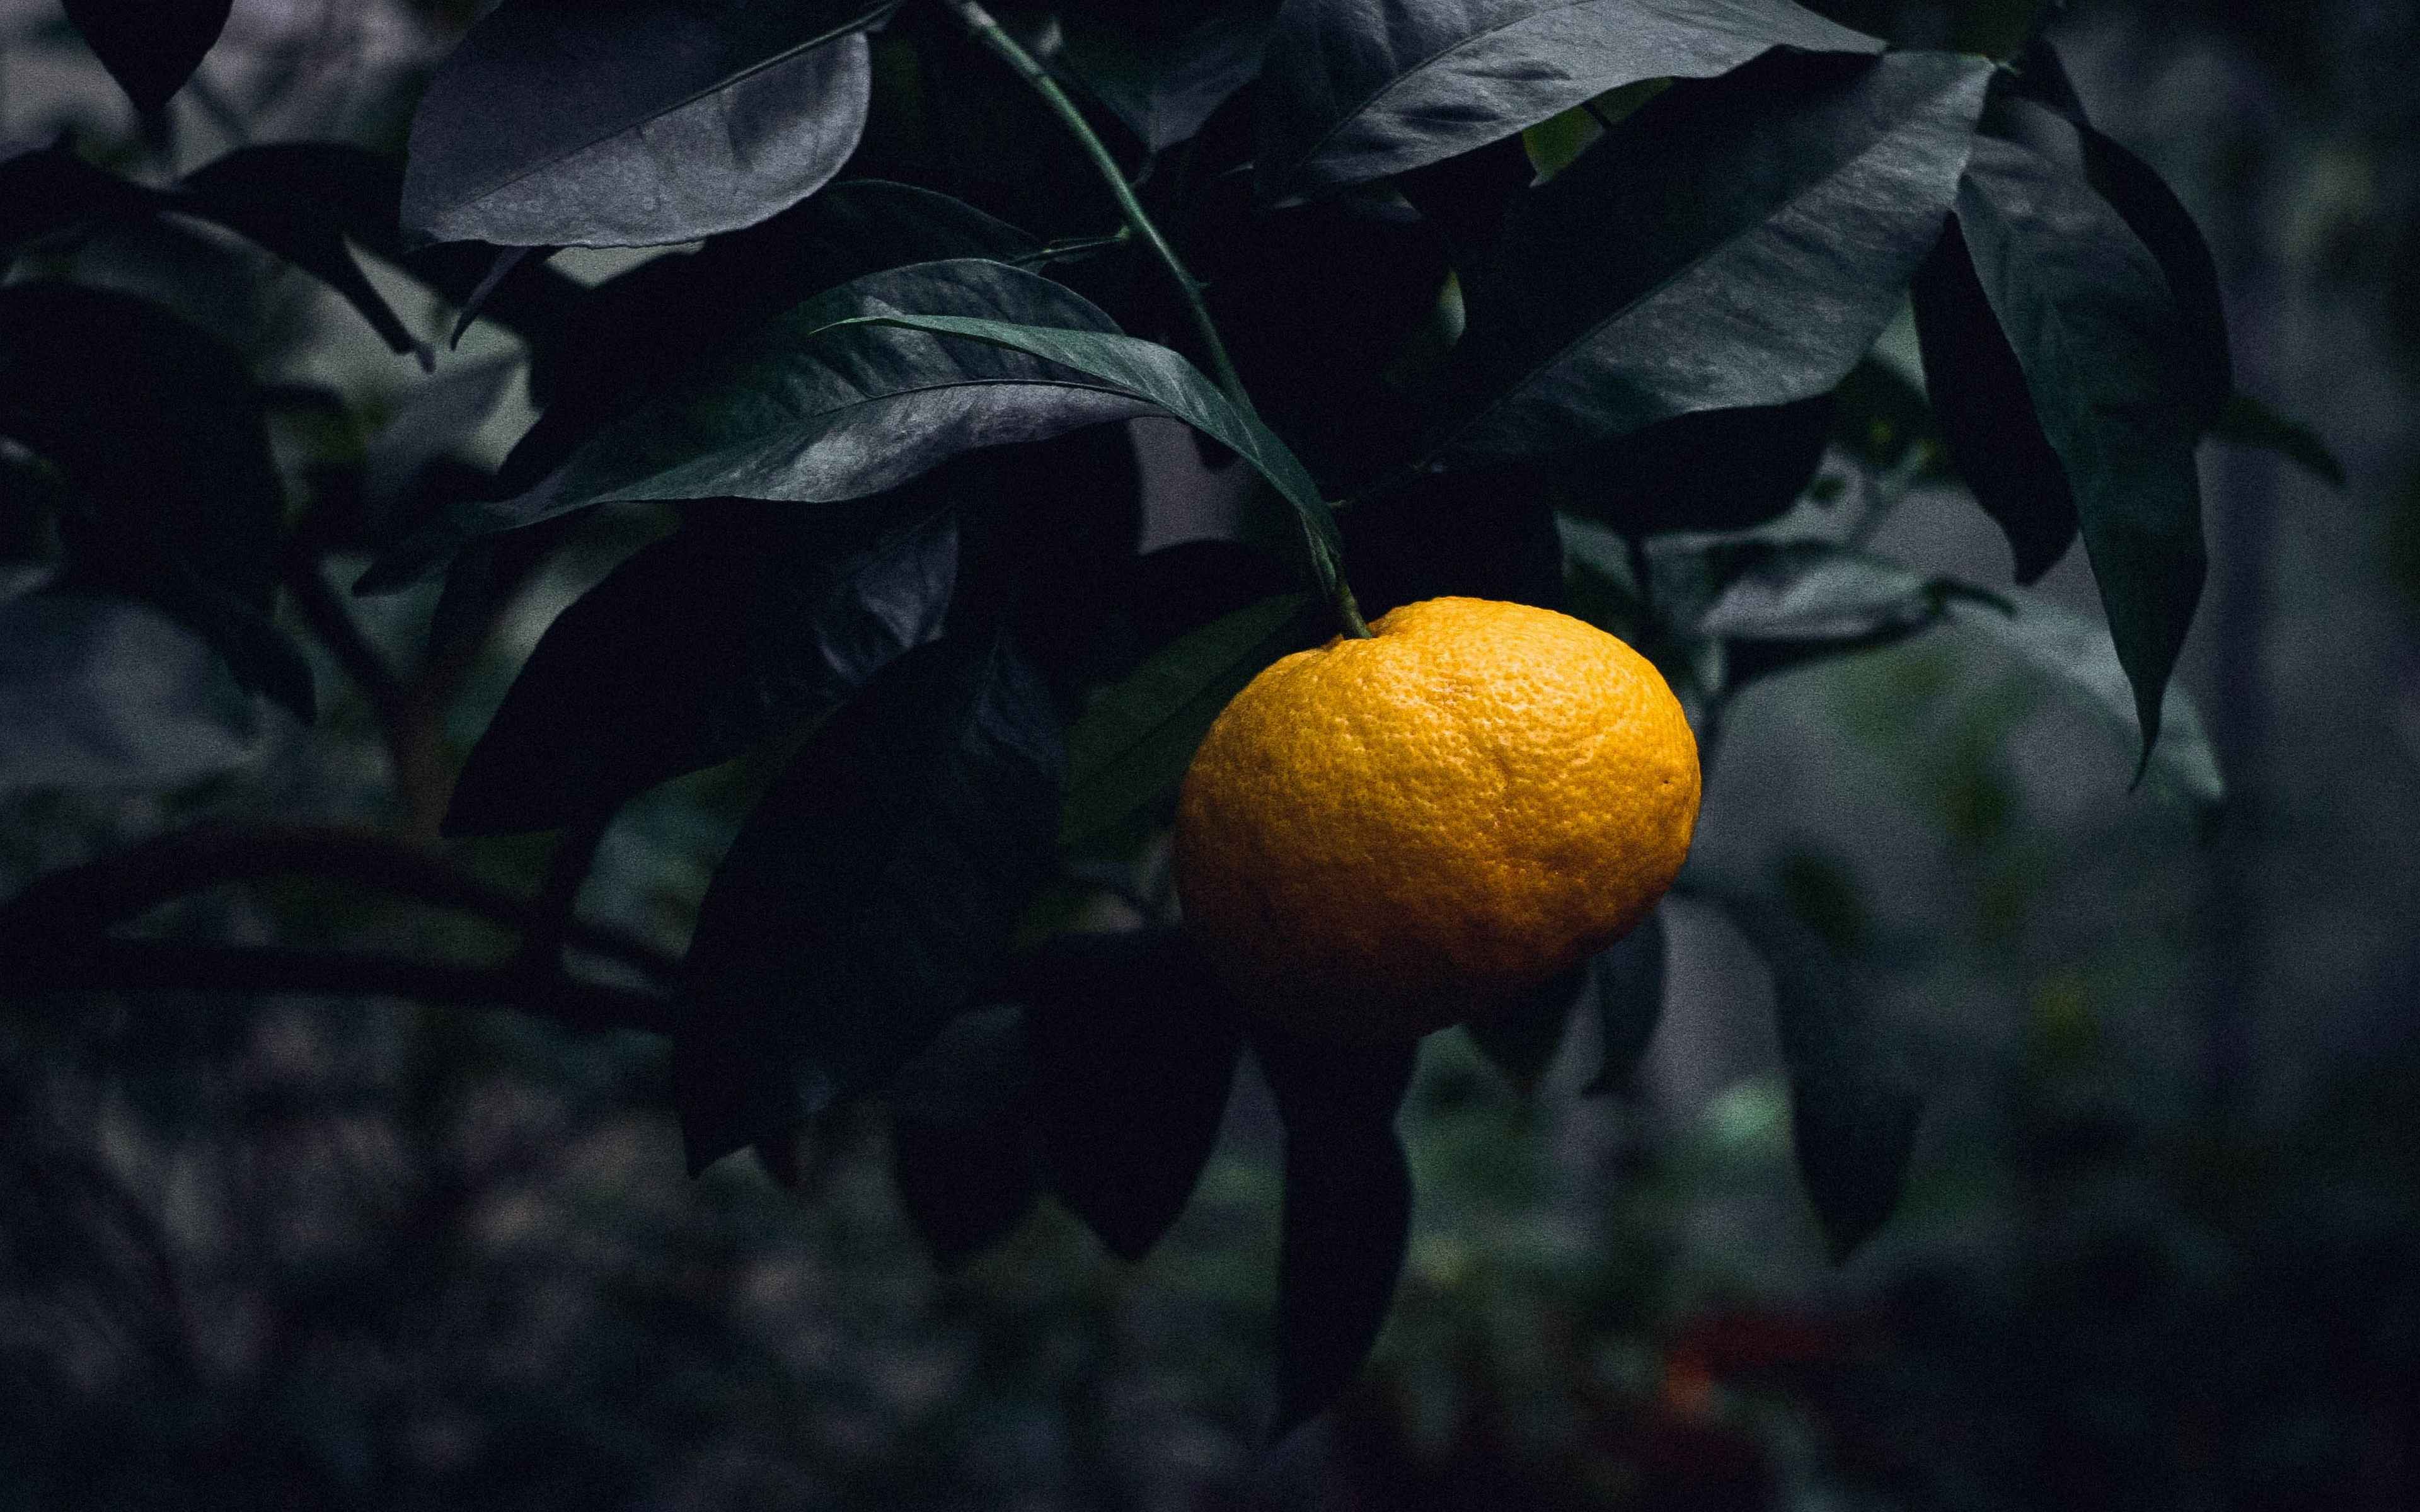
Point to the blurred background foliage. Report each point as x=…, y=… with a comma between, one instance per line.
x=2162, y=1241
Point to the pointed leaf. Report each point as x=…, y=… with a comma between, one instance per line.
x=2092, y=319
x=1742, y=244
x=1128, y=752
x=51, y=190
x=734, y=629
x=962, y=1140
x=558, y=123
x=150, y=47
x=2076, y=653
x=1977, y=389
x=1521, y=1040
x=1854, y=1105
x=1134, y=1044
x=869, y=894
x=2247, y=422
x=1627, y=982
x=1361, y=89
x=1348, y=1213
x=808, y=409
x=1163, y=65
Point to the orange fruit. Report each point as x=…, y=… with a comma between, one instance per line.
x=1381, y=837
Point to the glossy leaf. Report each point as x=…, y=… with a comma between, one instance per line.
x=1362, y=90
x=1626, y=987
x=1126, y=754
x=2075, y=652
x=2247, y=422
x=1134, y=1044
x=558, y=123
x=1347, y=1210
x=807, y=409
x=1854, y=1105
x=2091, y=320
x=1163, y=65
x=101, y=692
x=1521, y=1040
x=1988, y=425
x=869, y=894
x=1742, y=243
x=150, y=47
x=737, y=628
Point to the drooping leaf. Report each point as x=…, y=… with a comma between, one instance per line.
x=1361, y=89
x=559, y=123
x=1855, y=1103
x=1988, y=425
x=2247, y=422
x=1347, y=1210
x=1126, y=753
x=2103, y=348
x=2077, y=654
x=869, y=894
x=1716, y=470
x=1134, y=1044
x=1521, y=1040
x=1741, y=244
x=810, y=408
x=150, y=47
x=1626, y=982
x=1163, y=65
x=1782, y=604
x=97, y=691
x=740, y=625
x=963, y=1145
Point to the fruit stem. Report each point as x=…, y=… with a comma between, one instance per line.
x=1348, y=612
x=985, y=30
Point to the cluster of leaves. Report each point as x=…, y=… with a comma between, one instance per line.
x=1568, y=302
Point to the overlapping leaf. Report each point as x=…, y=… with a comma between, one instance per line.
x=963, y=1152
x=150, y=47
x=1744, y=246
x=1163, y=65
x=1360, y=89
x=869, y=894
x=561, y=123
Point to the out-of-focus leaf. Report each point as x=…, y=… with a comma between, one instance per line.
x=1347, y=1212
x=1133, y=744
x=1163, y=65
x=106, y=693
x=2076, y=653
x=1741, y=244
x=1879, y=416
x=1854, y=1105
x=1134, y=1043
x=2247, y=422
x=559, y=123
x=810, y=410
x=1817, y=591
x=962, y=1138
x=2104, y=350
x=1626, y=980
x=436, y=419
x=868, y=895
x=1361, y=89
x=49, y=190
x=150, y=47
x=1521, y=1039
x=739, y=627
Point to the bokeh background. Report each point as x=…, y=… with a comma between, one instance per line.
x=2162, y=1247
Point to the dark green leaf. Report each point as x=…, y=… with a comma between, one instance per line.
x=2247, y=422
x=2104, y=351
x=2076, y=653
x=739, y=626
x=869, y=894
x=810, y=408
x=1742, y=243
x=557, y=123
x=1167, y=382
x=1134, y=1044
x=1988, y=425
x=1627, y=980
x=150, y=47
x=1483, y=532
x=1126, y=755
x=1163, y=65
x=52, y=190
x=1522, y=1038
x=1348, y=1213
x=1855, y=1103
x=1360, y=89
x=1716, y=469
x=963, y=1147
x=1880, y=416
x=101, y=692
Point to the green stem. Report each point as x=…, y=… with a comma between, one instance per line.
x=987, y=31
